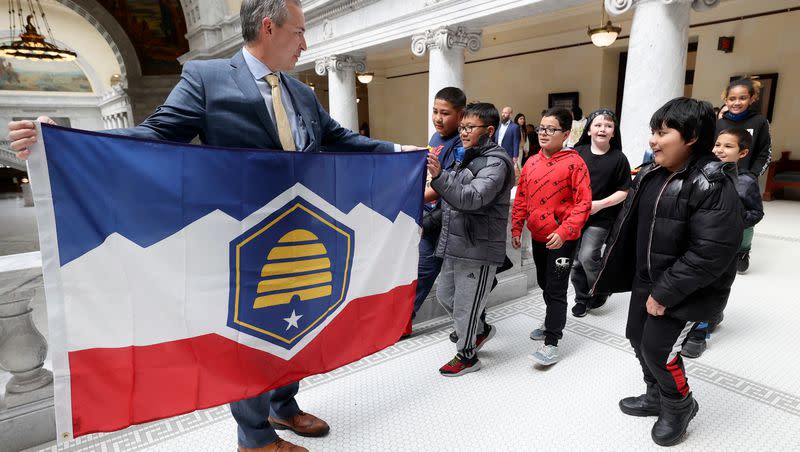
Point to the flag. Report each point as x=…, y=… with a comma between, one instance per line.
x=181, y=277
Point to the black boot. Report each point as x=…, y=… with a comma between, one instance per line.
x=673, y=420
x=598, y=301
x=647, y=404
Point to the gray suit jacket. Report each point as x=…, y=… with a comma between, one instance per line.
x=219, y=101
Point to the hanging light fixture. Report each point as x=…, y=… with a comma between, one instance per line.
x=604, y=35
x=365, y=77
x=310, y=84
x=31, y=45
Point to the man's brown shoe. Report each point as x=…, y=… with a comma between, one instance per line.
x=278, y=446
x=303, y=424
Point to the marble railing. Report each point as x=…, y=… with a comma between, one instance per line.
x=26, y=405
x=9, y=158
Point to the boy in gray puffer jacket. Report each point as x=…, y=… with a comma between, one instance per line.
x=475, y=208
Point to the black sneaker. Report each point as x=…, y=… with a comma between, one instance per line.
x=693, y=347
x=579, y=310
x=742, y=262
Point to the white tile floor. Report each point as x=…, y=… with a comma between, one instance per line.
x=747, y=382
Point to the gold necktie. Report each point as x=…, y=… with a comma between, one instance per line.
x=281, y=118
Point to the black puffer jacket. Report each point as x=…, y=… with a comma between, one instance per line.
x=696, y=231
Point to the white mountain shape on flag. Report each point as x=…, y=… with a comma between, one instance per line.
x=121, y=294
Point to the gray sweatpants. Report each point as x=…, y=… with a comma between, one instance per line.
x=462, y=289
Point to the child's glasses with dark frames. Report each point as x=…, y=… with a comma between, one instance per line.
x=547, y=130
x=467, y=129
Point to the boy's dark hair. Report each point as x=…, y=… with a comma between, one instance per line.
x=563, y=116
x=692, y=118
x=454, y=96
x=742, y=136
x=484, y=111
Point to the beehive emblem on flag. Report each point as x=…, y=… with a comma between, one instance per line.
x=289, y=273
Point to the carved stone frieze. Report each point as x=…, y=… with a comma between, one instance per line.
x=446, y=38
x=335, y=63
x=617, y=7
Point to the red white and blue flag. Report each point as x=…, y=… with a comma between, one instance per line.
x=182, y=277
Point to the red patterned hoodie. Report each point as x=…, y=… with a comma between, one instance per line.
x=553, y=195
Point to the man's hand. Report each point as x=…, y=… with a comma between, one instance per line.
x=434, y=166
x=554, y=242
x=22, y=135
x=516, y=242
x=654, y=308
x=410, y=147
x=596, y=207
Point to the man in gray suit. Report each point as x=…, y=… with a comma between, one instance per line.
x=249, y=102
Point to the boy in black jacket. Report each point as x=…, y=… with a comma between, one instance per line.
x=674, y=247
x=732, y=145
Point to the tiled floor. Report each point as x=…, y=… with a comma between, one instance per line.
x=747, y=382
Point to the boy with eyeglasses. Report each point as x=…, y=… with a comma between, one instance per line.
x=555, y=199
x=475, y=203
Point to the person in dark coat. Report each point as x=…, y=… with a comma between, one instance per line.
x=732, y=146
x=673, y=247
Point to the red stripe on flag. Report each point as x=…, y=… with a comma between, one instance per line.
x=115, y=388
x=677, y=374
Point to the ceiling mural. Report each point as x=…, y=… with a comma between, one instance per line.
x=26, y=75
x=157, y=29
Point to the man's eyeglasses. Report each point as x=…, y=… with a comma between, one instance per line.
x=547, y=130
x=467, y=129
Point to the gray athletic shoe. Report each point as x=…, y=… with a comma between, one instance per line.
x=547, y=355
x=538, y=333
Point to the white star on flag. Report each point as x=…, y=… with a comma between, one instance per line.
x=292, y=320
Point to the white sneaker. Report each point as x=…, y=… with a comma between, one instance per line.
x=538, y=333
x=547, y=355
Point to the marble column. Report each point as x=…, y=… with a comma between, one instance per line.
x=341, y=70
x=656, y=68
x=445, y=47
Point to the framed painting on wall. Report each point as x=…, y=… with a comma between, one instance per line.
x=766, y=101
x=563, y=100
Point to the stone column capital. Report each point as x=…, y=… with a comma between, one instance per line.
x=617, y=7
x=335, y=63
x=446, y=38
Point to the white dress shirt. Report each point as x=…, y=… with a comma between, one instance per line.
x=502, y=131
x=260, y=71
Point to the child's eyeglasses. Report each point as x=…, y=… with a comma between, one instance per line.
x=467, y=129
x=547, y=130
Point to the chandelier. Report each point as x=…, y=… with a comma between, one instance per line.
x=604, y=35
x=31, y=45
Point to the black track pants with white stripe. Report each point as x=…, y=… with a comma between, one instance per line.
x=657, y=344
x=462, y=289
